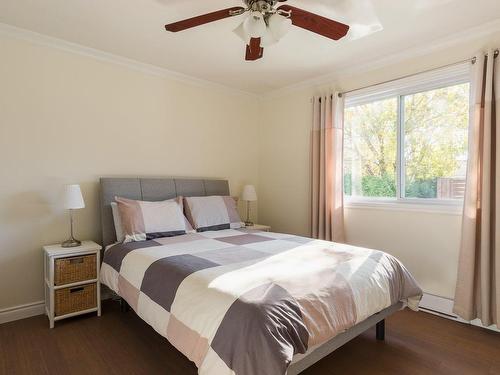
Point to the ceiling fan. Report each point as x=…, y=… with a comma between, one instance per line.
x=266, y=24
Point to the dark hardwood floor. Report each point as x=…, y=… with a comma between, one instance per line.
x=121, y=343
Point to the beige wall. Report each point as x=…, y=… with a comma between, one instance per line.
x=67, y=118
x=427, y=243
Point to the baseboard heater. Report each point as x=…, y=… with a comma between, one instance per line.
x=443, y=307
x=438, y=306
x=435, y=312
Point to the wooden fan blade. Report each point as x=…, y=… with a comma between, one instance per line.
x=254, y=50
x=203, y=19
x=317, y=24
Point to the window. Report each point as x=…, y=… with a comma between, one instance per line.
x=406, y=141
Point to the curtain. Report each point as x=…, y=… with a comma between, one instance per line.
x=327, y=193
x=477, y=293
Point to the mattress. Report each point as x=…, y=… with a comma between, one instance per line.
x=247, y=302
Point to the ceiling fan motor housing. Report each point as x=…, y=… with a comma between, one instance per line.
x=263, y=6
x=266, y=7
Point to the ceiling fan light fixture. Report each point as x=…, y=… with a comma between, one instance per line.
x=254, y=25
x=242, y=34
x=279, y=25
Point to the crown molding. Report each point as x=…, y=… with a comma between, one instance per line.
x=61, y=44
x=346, y=70
x=463, y=36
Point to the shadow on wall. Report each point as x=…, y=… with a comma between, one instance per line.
x=88, y=224
x=30, y=219
x=25, y=206
x=26, y=218
x=34, y=218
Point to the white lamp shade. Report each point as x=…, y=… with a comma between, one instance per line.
x=254, y=25
x=279, y=25
x=249, y=193
x=268, y=39
x=73, y=198
x=240, y=31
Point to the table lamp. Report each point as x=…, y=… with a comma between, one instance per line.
x=248, y=195
x=73, y=200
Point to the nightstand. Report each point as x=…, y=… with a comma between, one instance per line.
x=264, y=228
x=71, y=280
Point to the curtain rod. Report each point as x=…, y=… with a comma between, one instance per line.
x=471, y=60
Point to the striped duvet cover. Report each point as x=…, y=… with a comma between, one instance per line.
x=245, y=302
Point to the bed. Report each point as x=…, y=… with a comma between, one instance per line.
x=239, y=301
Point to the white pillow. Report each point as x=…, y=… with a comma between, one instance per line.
x=145, y=220
x=120, y=234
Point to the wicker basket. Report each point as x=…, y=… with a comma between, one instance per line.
x=75, y=269
x=78, y=298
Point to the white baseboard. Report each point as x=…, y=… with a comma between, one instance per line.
x=430, y=303
x=443, y=307
x=36, y=308
x=28, y=310
x=21, y=312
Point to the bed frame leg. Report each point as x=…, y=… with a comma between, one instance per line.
x=124, y=306
x=380, y=328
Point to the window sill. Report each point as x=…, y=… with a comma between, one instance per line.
x=433, y=206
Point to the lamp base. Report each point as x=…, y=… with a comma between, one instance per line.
x=71, y=243
x=248, y=223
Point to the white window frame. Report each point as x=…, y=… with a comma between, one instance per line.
x=431, y=80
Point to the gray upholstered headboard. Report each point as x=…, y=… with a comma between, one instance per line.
x=150, y=189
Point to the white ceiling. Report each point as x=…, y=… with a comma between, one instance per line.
x=135, y=29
